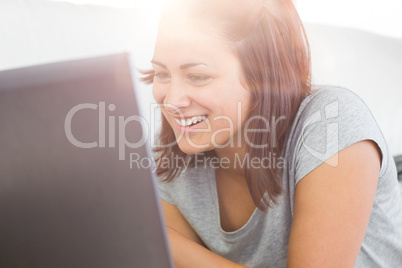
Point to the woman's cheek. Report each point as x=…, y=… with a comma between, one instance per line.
x=158, y=94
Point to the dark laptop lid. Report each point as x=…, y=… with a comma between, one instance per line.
x=68, y=195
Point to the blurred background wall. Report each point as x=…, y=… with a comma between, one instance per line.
x=382, y=17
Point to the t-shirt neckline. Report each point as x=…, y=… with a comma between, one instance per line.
x=249, y=226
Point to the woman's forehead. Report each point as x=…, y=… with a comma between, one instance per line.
x=190, y=45
x=188, y=38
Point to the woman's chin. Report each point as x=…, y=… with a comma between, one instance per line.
x=191, y=149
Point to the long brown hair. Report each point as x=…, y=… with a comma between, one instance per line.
x=270, y=42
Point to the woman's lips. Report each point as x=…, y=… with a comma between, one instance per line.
x=190, y=121
x=190, y=124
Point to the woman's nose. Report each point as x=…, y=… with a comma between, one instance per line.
x=176, y=99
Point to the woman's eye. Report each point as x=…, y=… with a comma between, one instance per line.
x=198, y=79
x=161, y=77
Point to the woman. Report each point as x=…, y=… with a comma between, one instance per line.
x=258, y=168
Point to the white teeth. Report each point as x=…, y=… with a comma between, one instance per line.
x=190, y=121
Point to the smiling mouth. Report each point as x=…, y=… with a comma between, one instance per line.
x=190, y=121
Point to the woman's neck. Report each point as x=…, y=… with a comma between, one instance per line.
x=232, y=161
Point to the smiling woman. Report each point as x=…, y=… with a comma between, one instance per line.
x=233, y=82
x=186, y=48
x=190, y=67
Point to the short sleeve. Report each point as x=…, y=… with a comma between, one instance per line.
x=331, y=121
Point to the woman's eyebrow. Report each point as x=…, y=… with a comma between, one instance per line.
x=158, y=63
x=189, y=65
x=182, y=67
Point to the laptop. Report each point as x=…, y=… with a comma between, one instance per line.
x=76, y=181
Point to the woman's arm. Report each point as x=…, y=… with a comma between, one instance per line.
x=187, y=248
x=332, y=208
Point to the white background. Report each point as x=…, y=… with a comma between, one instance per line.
x=383, y=17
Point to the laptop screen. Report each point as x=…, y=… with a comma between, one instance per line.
x=70, y=195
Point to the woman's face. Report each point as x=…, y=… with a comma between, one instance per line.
x=197, y=81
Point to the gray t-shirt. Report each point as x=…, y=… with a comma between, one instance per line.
x=328, y=120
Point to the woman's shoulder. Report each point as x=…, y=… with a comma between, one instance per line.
x=326, y=96
x=328, y=120
x=334, y=106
